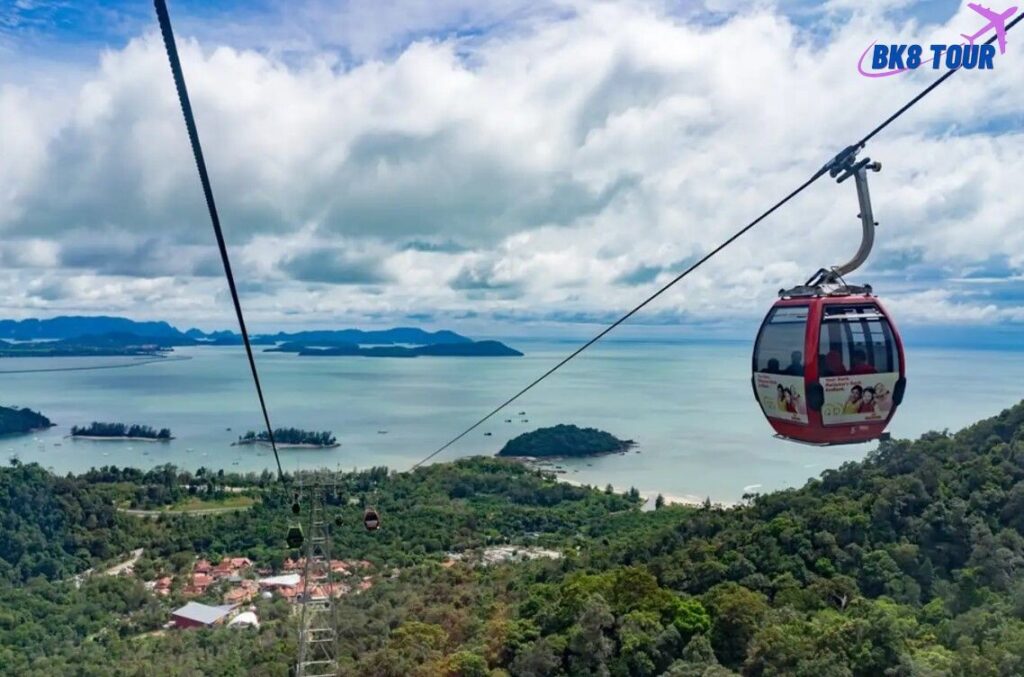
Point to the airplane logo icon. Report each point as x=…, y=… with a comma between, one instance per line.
x=995, y=20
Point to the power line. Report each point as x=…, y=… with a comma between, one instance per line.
x=197, y=151
x=847, y=152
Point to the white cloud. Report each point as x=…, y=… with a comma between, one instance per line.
x=572, y=163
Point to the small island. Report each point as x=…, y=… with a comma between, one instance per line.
x=120, y=431
x=15, y=421
x=564, y=441
x=292, y=438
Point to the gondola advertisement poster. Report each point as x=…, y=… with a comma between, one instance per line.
x=856, y=398
x=782, y=396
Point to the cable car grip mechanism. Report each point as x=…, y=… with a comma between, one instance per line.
x=829, y=281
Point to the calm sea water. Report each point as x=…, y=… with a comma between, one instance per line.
x=689, y=407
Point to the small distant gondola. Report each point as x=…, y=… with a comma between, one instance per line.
x=371, y=519
x=295, y=537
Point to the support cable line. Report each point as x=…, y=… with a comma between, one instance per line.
x=836, y=165
x=197, y=151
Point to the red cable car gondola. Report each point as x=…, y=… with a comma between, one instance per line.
x=828, y=361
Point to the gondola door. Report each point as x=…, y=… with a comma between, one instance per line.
x=860, y=379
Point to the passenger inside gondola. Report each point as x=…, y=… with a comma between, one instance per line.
x=860, y=363
x=832, y=364
x=796, y=364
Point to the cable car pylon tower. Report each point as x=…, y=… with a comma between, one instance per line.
x=318, y=621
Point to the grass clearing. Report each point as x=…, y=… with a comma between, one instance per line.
x=193, y=503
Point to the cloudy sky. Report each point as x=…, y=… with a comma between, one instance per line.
x=501, y=167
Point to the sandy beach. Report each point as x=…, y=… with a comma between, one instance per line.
x=651, y=496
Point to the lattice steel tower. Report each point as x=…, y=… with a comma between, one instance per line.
x=318, y=633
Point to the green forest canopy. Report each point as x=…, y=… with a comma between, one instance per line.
x=907, y=563
x=96, y=429
x=291, y=436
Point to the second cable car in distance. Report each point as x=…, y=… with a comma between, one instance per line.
x=828, y=363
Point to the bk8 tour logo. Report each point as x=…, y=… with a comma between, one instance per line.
x=893, y=59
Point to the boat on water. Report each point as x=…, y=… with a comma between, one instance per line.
x=487, y=434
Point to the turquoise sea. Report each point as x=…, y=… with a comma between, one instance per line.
x=689, y=407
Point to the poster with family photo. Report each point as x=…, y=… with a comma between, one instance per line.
x=782, y=396
x=857, y=398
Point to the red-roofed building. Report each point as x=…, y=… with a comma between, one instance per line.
x=163, y=586
x=222, y=569
x=202, y=566
x=290, y=594
x=198, y=584
x=245, y=591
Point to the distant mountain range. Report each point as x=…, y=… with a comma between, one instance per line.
x=383, y=337
x=75, y=326
x=68, y=326
x=461, y=349
x=105, y=335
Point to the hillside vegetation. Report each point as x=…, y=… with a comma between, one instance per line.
x=907, y=563
x=134, y=431
x=14, y=420
x=292, y=436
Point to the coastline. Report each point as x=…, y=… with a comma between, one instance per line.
x=12, y=433
x=649, y=497
x=690, y=500
x=627, y=446
x=118, y=438
x=136, y=363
